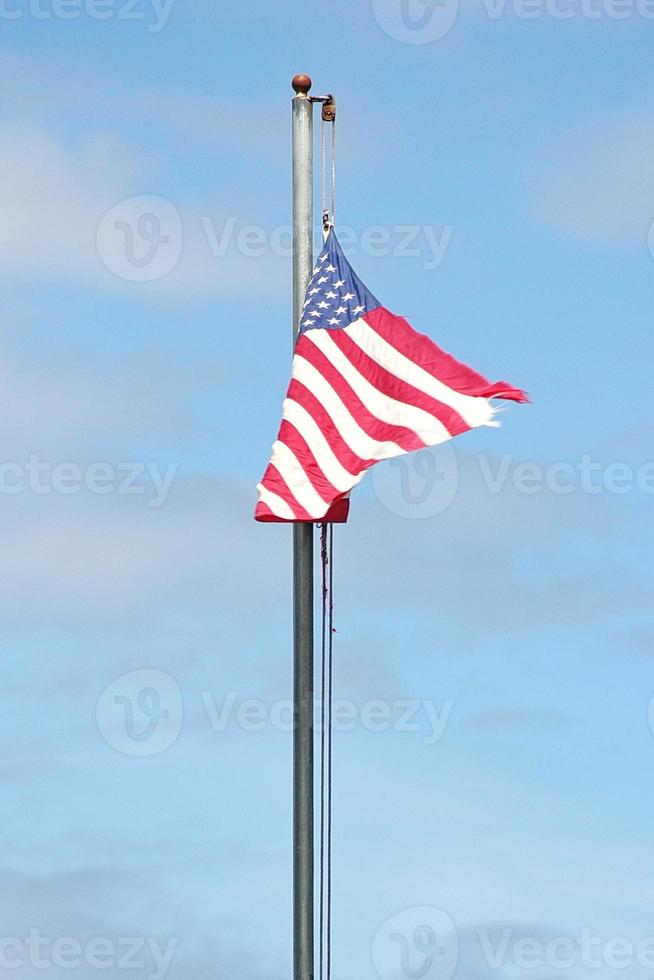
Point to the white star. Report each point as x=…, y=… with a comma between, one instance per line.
x=307, y=323
x=322, y=279
x=358, y=309
x=330, y=268
x=323, y=305
x=323, y=257
x=314, y=313
x=342, y=309
x=334, y=322
x=348, y=296
x=331, y=295
x=341, y=282
x=312, y=292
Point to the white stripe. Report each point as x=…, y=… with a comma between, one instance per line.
x=291, y=471
x=278, y=506
x=350, y=431
x=474, y=410
x=309, y=429
x=425, y=425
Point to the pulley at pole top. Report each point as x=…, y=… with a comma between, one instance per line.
x=302, y=86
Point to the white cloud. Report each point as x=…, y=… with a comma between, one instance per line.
x=95, y=556
x=597, y=183
x=43, y=86
x=53, y=198
x=109, y=903
x=476, y=560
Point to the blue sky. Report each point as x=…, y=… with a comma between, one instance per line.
x=516, y=612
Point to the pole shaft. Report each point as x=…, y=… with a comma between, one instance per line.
x=303, y=846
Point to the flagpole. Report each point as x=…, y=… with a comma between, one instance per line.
x=303, y=846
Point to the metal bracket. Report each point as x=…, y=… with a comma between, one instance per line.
x=328, y=106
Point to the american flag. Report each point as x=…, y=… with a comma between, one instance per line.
x=365, y=386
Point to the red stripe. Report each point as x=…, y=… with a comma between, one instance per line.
x=264, y=513
x=337, y=514
x=374, y=427
x=389, y=384
x=274, y=481
x=346, y=457
x=290, y=436
x=422, y=350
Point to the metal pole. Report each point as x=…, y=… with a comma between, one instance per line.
x=303, y=848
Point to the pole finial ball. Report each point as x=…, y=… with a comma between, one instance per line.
x=301, y=84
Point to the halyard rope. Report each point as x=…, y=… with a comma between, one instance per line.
x=333, y=214
x=323, y=155
x=326, y=701
x=327, y=640
x=328, y=203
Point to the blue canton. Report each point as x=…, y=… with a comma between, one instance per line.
x=335, y=296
